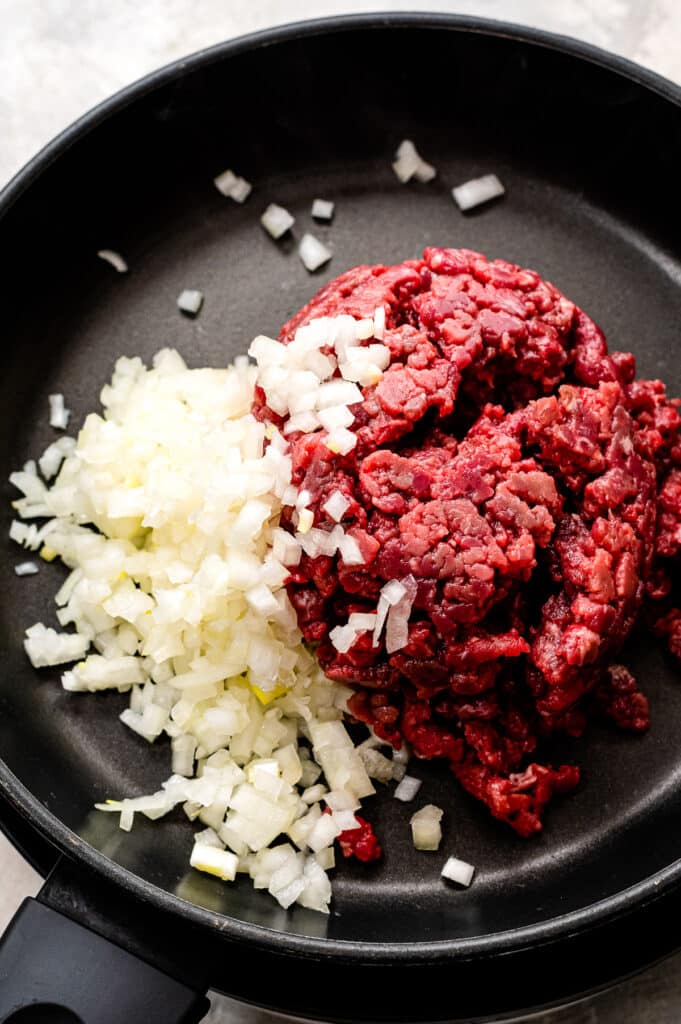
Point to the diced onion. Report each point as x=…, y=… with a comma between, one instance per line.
x=407, y=789
x=409, y=164
x=59, y=414
x=276, y=220
x=322, y=209
x=426, y=830
x=232, y=186
x=476, y=191
x=113, y=258
x=26, y=569
x=313, y=253
x=213, y=861
x=458, y=871
x=336, y=505
x=190, y=301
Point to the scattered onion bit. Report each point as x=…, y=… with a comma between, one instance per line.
x=313, y=253
x=26, y=569
x=190, y=301
x=277, y=221
x=477, y=191
x=458, y=871
x=409, y=164
x=426, y=830
x=59, y=414
x=407, y=789
x=231, y=185
x=322, y=209
x=114, y=259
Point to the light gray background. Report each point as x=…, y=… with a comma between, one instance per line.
x=60, y=57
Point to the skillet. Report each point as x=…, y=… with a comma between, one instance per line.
x=588, y=147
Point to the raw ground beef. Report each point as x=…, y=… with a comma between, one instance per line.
x=531, y=486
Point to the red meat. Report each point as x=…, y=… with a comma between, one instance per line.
x=530, y=485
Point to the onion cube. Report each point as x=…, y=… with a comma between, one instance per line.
x=26, y=569
x=322, y=209
x=458, y=871
x=313, y=253
x=276, y=220
x=190, y=301
x=407, y=789
x=476, y=191
x=225, y=182
x=426, y=830
x=213, y=861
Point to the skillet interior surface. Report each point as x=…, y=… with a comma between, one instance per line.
x=590, y=160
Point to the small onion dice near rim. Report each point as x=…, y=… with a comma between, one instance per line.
x=477, y=191
x=456, y=870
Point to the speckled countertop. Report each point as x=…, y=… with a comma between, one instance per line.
x=60, y=57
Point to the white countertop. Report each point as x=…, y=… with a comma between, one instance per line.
x=60, y=57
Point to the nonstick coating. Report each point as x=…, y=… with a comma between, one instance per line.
x=590, y=159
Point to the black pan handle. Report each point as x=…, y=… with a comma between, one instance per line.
x=55, y=969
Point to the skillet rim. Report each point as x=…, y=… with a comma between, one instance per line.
x=49, y=825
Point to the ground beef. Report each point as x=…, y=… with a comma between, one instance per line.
x=530, y=485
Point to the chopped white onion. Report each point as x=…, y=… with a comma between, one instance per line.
x=213, y=861
x=59, y=414
x=232, y=186
x=407, y=789
x=458, y=871
x=305, y=520
x=113, y=258
x=336, y=506
x=26, y=569
x=342, y=638
x=397, y=627
x=426, y=829
x=340, y=441
x=190, y=301
x=322, y=209
x=409, y=164
x=276, y=220
x=335, y=417
x=477, y=190
x=313, y=253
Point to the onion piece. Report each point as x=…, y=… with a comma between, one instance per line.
x=409, y=164
x=340, y=441
x=113, y=258
x=458, y=871
x=213, y=861
x=342, y=638
x=59, y=414
x=232, y=186
x=397, y=627
x=407, y=789
x=313, y=253
x=476, y=191
x=426, y=830
x=190, y=301
x=276, y=220
x=322, y=209
x=336, y=506
x=26, y=569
